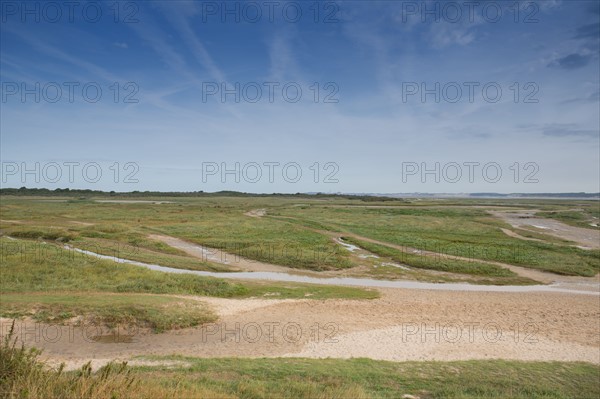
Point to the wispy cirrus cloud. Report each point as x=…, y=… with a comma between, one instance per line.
x=180, y=18
x=592, y=98
x=572, y=61
x=562, y=130
x=62, y=55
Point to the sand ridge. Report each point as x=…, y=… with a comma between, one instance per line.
x=401, y=325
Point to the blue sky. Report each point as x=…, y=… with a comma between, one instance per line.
x=369, y=130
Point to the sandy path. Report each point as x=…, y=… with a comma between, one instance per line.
x=81, y=223
x=218, y=256
x=401, y=325
x=244, y=264
x=587, y=238
x=11, y=221
x=511, y=233
x=256, y=213
x=134, y=202
x=537, y=275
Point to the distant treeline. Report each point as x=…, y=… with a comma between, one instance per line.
x=44, y=192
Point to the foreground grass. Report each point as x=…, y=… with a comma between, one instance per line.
x=157, y=312
x=300, y=378
x=23, y=375
x=63, y=270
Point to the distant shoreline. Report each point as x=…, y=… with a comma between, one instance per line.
x=365, y=196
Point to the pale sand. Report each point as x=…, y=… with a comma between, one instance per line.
x=256, y=213
x=552, y=326
x=588, y=238
x=448, y=342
